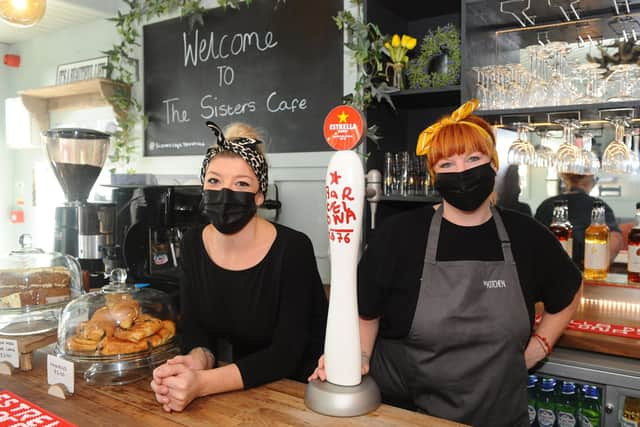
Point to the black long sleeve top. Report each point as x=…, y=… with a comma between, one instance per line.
x=274, y=314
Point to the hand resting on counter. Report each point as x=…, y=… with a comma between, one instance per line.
x=321, y=374
x=184, y=378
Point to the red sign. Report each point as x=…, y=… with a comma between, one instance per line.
x=339, y=213
x=343, y=127
x=601, y=328
x=18, y=412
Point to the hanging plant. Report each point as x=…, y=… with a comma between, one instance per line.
x=438, y=63
x=123, y=65
x=367, y=44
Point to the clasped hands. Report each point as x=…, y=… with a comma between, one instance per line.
x=179, y=381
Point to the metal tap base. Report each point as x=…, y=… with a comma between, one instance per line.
x=342, y=401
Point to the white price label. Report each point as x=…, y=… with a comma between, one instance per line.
x=60, y=371
x=9, y=352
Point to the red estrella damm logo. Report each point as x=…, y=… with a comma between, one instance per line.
x=343, y=127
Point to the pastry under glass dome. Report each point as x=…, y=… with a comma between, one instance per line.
x=34, y=287
x=118, y=334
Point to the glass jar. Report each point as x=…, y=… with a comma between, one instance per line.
x=118, y=334
x=34, y=287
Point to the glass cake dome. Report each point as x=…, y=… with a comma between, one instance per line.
x=34, y=287
x=118, y=334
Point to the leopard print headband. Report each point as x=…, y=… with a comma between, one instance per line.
x=243, y=147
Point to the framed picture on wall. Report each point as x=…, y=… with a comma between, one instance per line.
x=82, y=70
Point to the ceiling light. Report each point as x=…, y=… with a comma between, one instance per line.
x=22, y=13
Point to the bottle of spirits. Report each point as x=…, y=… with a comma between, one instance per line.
x=633, y=251
x=596, y=245
x=565, y=213
x=561, y=227
x=631, y=412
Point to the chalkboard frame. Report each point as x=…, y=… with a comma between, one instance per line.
x=292, y=72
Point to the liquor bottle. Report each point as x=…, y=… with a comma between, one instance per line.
x=532, y=397
x=561, y=227
x=590, y=413
x=565, y=217
x=631, y=412
x=547, y=403
x=596, y=245
x=566, y=408
x=633, y=250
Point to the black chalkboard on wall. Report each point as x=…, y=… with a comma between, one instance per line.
x=276, y=68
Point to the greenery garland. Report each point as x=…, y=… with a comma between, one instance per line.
x=123, y=64
x=447, y=37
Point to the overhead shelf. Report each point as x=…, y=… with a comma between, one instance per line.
x=77, y=95
x=411, y=199
x=590, y=112
x=427, y=97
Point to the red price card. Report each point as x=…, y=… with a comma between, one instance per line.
x=18, y=412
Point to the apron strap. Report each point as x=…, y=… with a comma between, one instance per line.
x=434, y=235
x=505, y=242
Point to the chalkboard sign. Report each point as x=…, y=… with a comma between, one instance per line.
x=274, y=65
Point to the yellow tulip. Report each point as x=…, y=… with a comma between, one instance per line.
x=395, y=40
x=411, y=43
x=388, y=46
x=405, y=40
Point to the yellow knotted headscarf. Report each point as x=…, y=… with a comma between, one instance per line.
x=457, y=117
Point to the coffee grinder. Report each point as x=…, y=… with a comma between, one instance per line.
x=82, y=229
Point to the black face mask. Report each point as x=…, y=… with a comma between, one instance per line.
x=468, y=189
x=227, y=210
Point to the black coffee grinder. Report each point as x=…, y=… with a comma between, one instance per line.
x=82, y=229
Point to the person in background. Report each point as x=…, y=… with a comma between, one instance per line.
x=580, y=204
x=446, y=293
x=508, y=190
x=249, y=281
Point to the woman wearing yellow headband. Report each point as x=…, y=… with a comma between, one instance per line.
x=447, y=292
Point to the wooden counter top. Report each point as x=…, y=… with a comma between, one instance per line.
x=606, y=302
x=277, y=404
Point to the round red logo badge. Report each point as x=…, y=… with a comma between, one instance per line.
x=344, y=127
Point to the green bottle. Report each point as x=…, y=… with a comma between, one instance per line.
x=532, y=398
x=566, y=408
x=590, y=413
x=546, y=403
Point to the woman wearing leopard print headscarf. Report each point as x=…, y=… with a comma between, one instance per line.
x=246, y=280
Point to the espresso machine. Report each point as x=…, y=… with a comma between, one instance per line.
x=151, y=221
x=82, y=229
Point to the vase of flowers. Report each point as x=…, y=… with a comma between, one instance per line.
x=397, y=50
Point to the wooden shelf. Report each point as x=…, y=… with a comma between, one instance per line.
x=77, y=95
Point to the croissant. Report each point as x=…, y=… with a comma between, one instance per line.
x=76, y=343
x=143, y=327
x=125, y=313
x=164, y=334
x=112, y=346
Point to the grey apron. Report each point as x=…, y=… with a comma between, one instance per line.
x=465, y=348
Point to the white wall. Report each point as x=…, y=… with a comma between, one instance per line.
x=5, y=161
x=39, y=60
